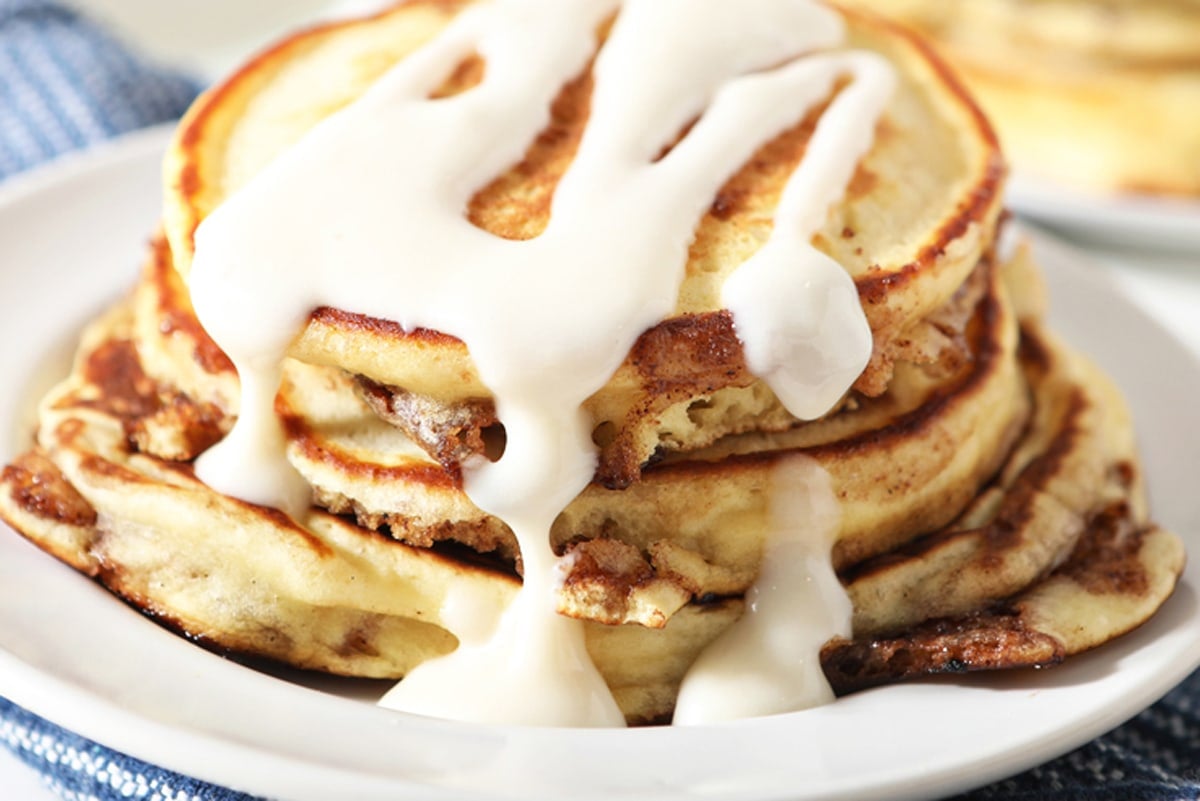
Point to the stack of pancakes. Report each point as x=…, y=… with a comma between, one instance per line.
x=991, y=499
x=1099, y=96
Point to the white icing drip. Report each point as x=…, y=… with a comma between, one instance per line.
x=533, y=669
x=769, y=661
x=788, y=299
x=365, y=213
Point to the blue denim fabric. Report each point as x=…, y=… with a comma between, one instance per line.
x=77, y=769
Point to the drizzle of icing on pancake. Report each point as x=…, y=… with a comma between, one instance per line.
x=366, y=213
x=770, y=661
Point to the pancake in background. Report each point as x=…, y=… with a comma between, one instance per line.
x=1098, y=96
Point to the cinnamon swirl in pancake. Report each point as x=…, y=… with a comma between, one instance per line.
x=954, y=502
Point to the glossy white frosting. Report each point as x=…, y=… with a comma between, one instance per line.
x=366, y=213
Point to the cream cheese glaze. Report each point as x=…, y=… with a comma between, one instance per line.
x=770, y=660
x=366, y=213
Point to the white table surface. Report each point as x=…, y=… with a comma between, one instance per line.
x=197, y=35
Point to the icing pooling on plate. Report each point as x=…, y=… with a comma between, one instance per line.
x=366, y=213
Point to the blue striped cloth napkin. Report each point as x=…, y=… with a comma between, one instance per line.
x=64, y=84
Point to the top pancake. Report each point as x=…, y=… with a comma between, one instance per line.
x=920, y=212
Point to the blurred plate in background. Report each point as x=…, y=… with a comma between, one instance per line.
x=1170, y=225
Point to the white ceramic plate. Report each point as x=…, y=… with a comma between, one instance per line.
x=72, y=237
x=1162, y=224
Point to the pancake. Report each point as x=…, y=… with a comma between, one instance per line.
x=972, y=502
x=908, y=238
x=358, y=464
x=948, y=429
x=1127, y=73
x=1043, y=524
